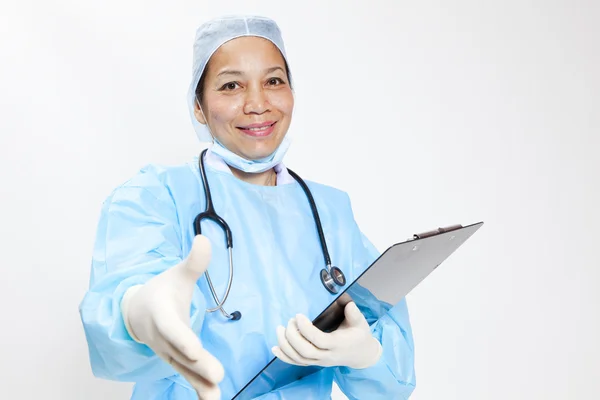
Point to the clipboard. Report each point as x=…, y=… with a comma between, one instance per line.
x=390, y=278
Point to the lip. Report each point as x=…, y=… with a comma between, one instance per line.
x=260, y=129
x=257, y=125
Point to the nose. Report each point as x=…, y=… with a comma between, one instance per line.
x=257, y=101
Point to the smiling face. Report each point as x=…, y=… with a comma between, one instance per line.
x=246, y=98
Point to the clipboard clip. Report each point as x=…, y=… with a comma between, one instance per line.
x=436, y=231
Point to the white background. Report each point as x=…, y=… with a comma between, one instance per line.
x=427, y=113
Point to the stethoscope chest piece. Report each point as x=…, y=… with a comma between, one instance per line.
x=332, y=279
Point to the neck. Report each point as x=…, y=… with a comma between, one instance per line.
x=267, y=178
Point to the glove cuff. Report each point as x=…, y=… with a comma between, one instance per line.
x=375, y=358
x=125, y=301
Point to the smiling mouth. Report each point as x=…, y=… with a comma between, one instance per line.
x=258, y=130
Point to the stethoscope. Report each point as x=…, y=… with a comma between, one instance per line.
x=331, y=277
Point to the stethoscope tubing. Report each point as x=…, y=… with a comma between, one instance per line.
x=330, y=276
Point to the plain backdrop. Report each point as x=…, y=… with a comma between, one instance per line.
x=427, y=113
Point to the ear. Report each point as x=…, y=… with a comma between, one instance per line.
x=198, y=113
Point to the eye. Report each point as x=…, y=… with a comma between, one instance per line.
x=275, y=81
x=230, y=86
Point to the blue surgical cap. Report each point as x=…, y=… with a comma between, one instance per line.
x=213, y=34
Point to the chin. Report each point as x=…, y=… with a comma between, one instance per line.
x=259, y=151
x=256, y=155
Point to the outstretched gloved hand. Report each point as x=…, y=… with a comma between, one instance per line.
x=351, y=345
x=158, y=315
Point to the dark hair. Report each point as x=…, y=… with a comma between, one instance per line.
x=200, y=87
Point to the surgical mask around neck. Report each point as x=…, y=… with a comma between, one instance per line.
x=251, y=166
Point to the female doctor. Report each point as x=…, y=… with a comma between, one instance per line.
x=148, y=316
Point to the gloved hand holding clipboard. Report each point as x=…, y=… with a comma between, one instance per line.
x=389, y=279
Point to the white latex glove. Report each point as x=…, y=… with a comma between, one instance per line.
x=351, y=345
x=158, y=315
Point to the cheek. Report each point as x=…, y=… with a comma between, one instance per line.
x=225, y=110
x=284, y=102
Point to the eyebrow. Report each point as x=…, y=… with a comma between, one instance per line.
x=240, y=73
x=273, y=69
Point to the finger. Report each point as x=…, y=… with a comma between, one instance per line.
x=344, y=299
x=170, y=352
x=206, y=390
x=279, y=354
x=209, y=367
x=197, y=261
x=300, y=343
x=199, y=367
x=183, y=342
x=354, y=318
x=179, y=335
x=287, y=349
x=317, y=337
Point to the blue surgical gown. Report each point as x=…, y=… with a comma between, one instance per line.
x=146, y=226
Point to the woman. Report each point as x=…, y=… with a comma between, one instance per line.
x=145, y=315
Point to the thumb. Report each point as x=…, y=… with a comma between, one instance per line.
x=197, y=261
x=353, y=315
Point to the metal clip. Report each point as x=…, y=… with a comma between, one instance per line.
x=436, y=232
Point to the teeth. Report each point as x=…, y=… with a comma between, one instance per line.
x=262, y=128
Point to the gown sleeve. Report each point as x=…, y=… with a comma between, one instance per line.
x=138, y=237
